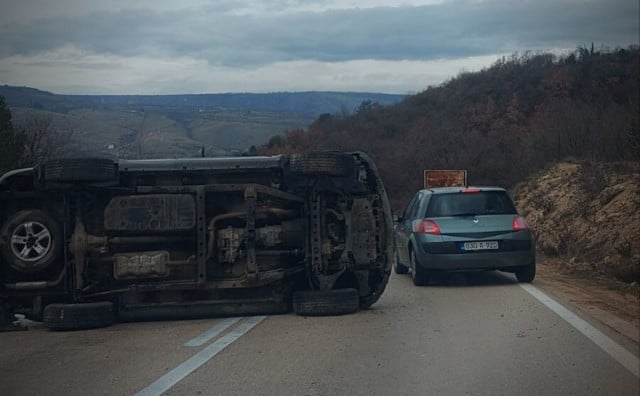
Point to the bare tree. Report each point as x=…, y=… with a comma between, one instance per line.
x=42, y=140
x=11, y=140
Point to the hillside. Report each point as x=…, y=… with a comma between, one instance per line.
x=502, y=123
x=309, y=103
x=177, y=125
x=588, y=214
x=562, y=132
x=162, y=132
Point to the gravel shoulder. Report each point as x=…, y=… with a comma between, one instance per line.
x=614, y=305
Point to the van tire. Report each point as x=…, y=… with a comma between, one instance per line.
x=80, y=170
x=321, y=163
x=79, y=316
x=23, y=234
x=326, y=302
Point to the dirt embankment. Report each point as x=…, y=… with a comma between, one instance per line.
x=586, y=220
x=588, y=215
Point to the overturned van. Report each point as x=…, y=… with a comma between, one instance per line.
x=88, y=241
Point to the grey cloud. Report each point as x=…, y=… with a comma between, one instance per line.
x=448, y=30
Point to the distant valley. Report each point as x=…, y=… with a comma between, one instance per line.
x=152, y=126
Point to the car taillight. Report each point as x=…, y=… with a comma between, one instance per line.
x=470, y=190
x=519, y=223
x=427, y=227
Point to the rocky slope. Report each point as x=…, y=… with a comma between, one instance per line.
x=587, y=216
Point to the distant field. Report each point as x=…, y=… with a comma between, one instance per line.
x=166, y=132
x=148, y=126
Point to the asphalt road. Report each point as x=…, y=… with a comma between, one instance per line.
x=481, y=334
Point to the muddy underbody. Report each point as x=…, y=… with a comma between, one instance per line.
x=193, y=237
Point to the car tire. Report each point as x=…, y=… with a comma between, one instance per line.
x=326, y=302
x=321, y=163
x=80, y=170
x=526, y=274
x=79, y=316
x=30, y=241
x=418, y=274
x=399, y=268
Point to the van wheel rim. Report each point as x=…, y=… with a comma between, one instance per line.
x=31, y=241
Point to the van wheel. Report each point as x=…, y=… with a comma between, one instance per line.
x=326, y=302
x=79, y=316
x=30, y=241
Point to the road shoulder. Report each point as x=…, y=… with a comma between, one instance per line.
x=611, y=304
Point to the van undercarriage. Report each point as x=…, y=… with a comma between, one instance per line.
x=86, y=242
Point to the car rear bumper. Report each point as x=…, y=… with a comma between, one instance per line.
x=436, y=257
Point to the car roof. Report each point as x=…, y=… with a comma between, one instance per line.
x=449, y=190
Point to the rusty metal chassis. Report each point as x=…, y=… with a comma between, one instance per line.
x=82, y=243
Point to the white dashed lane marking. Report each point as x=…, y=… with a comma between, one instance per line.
x=212, y=333
x=176, y=375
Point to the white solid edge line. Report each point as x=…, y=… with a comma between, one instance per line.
x=176, y=375
x=620, y=354
x=211, y=333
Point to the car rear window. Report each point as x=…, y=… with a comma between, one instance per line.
x=477, y=203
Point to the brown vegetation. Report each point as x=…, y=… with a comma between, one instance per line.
x=33, y=140
x=505, y=124
x=502, y=124
x=588, y=214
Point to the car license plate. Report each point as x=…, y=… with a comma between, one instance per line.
x=483, y=245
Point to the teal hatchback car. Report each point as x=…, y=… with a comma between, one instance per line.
x=463, y=229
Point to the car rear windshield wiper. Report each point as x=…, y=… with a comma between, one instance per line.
x=464, y=214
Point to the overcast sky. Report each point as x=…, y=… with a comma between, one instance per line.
x=198, y=46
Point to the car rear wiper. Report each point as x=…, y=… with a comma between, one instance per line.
x=463, y=214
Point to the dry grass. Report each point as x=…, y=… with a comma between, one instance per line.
x=588, y=216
